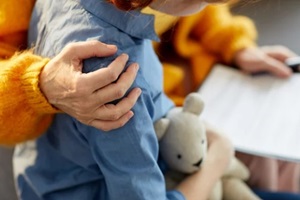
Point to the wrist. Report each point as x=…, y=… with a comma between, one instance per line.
x=233, y=50
x=30, y=84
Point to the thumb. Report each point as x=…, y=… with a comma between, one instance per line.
x=88, y=49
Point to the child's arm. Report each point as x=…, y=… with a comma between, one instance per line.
x=127, y=157
x=199, y=185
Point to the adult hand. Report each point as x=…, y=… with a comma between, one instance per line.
x=265, y=59
x=84, y=96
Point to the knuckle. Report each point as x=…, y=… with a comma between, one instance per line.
x=113, y=75
x=94, y=42
x=70, y=46
x=115, y=115
x=120, y=92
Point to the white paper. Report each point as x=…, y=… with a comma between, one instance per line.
x=260, y=114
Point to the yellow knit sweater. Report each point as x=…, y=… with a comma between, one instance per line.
x=24, y=111
x=211, y=36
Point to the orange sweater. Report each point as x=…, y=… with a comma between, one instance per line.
x=24, y=111
x=211, y=36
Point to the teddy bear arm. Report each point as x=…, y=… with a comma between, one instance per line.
x=237, y=169
x=236, y=189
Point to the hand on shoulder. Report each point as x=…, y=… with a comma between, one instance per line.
x=85, y=96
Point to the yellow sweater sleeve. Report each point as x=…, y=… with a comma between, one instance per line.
x=217, y=31
x=24, y=111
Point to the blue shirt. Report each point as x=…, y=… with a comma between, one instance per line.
x=72, y=161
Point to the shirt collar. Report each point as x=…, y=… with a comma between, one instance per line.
x=134, y=23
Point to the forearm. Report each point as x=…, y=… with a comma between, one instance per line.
x=227, y=33
x=25, y=113
x=200, y=185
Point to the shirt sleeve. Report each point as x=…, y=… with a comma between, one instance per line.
x=127, y=157
x=24, y=111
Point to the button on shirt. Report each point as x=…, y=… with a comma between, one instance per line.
x=78, y=162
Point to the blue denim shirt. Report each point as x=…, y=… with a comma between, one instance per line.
x=72, y=161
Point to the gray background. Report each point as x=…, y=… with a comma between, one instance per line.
x=278, y=22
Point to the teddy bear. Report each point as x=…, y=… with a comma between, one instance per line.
x=183, y=144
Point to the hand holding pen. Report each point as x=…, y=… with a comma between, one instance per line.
x=275, y=60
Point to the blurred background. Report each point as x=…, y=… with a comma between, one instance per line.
x=277, y=21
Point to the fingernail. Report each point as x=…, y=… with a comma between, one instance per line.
x=130, y=115
x=111, y=46
x=139, y=91
x=125, y=56
x=136, y=67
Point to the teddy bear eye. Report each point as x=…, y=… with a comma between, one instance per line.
x=179, y=156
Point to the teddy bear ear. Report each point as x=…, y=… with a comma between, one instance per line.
x=193, y=104
x=161, y=127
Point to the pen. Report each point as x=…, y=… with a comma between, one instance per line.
x=293, y=63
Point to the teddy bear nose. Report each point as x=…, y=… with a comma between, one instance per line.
x=197, y=164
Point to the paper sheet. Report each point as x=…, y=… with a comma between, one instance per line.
x=260, y=114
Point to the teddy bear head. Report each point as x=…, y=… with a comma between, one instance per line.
x=182, y=136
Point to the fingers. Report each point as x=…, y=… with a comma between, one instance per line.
x=275, y=60
x=111, y=116
x=117, y=90
x=110, y=125
x=277, y=68
x=84, y=96
x=102, y=77
x=88, y=49
x=280, y=53
x=267, y=59
x=114, y=112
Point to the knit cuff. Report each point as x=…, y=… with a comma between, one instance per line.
x=30, y=84
x=243, y=35
x=235, y=46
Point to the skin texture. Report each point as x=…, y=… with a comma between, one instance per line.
x=84, y=96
